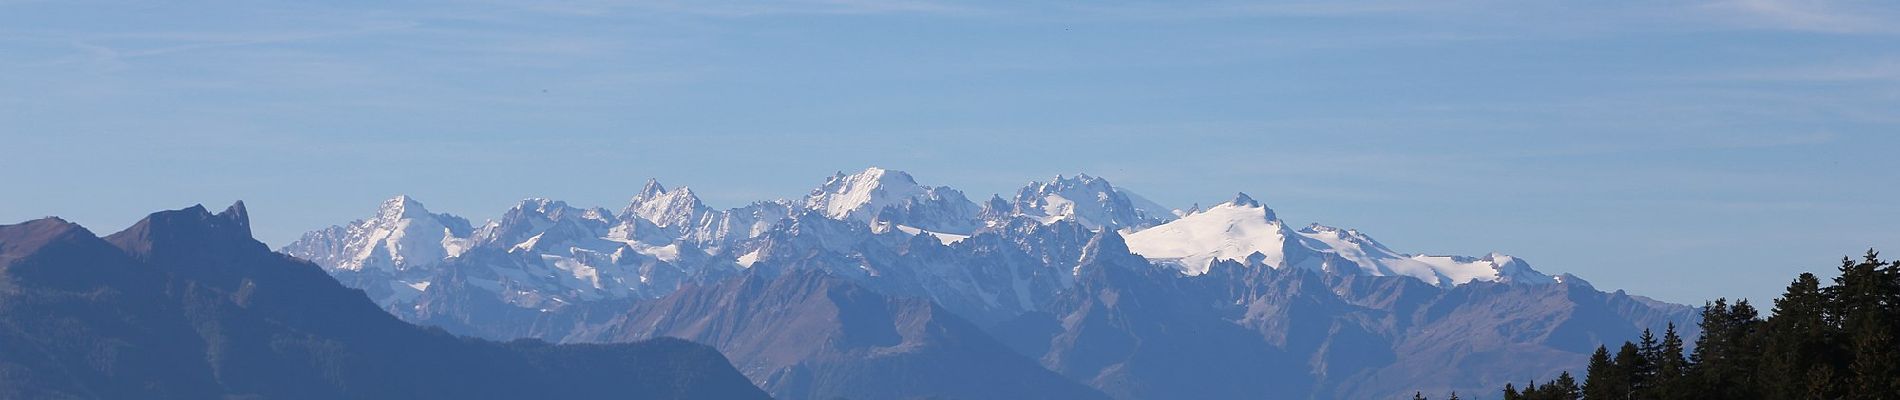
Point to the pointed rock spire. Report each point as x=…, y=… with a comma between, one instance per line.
x=238, y=217
x=995, y=209
x=1242, y=199
x=651, y=189
x=677, y=209
x=401, y=206
x=1195, y=208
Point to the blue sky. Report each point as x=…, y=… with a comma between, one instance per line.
x=1679, y=149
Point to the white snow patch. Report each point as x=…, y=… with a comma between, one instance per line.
x=750, y=258
x=1225, y=232
x=945, y=238
x=1237, y=230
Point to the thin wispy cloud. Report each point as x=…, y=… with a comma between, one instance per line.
x=1879, y=70
x=1232, y=10
x=1827, y=16
x=725, y=8
x=179, y=42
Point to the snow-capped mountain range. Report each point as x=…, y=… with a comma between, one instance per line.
x=1075, y=275
x=594, y=253
x=1243, y=229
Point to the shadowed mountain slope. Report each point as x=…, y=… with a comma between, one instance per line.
x=804, y=334
x=185, y=304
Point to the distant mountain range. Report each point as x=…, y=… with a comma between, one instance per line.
x=876, y=286
x=186, y=305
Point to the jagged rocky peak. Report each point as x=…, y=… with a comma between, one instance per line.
x=652, y=189
x=555, y=210
x=1088, y=200
x=401, y=207
x=1242, y=199
x=1196, y=207
x=1511, y=269
x=533, y=216
x=1349, y=235
x=864, y=196
x=403, y=234
x=193, y=225
x=1241, y=203
x=995, y=211
x=405, y=207
x=1317, y=228
x=239, y=217
x=675, y=209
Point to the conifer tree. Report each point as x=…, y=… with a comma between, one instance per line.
x=1597, y=378
x=1795, y=340
x=1874, y=366
x=1725, y=356
x=1866, y=300
x=1651, y=352
x=1670, y=367
x=1565, y=388
x=1630, y=368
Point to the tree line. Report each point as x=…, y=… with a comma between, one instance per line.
x=1834, y=341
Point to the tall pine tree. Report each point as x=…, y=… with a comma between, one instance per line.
x=1599, y=382
x=1633, y=369
x=1564, y=388
x=1725, y=356
x=1866, y=300
x=1671, y=366
x=1797, y=340
x=1645, y=375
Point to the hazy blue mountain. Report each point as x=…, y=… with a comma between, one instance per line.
x=1081, y=278
x=185, y=304
x=806, y=334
